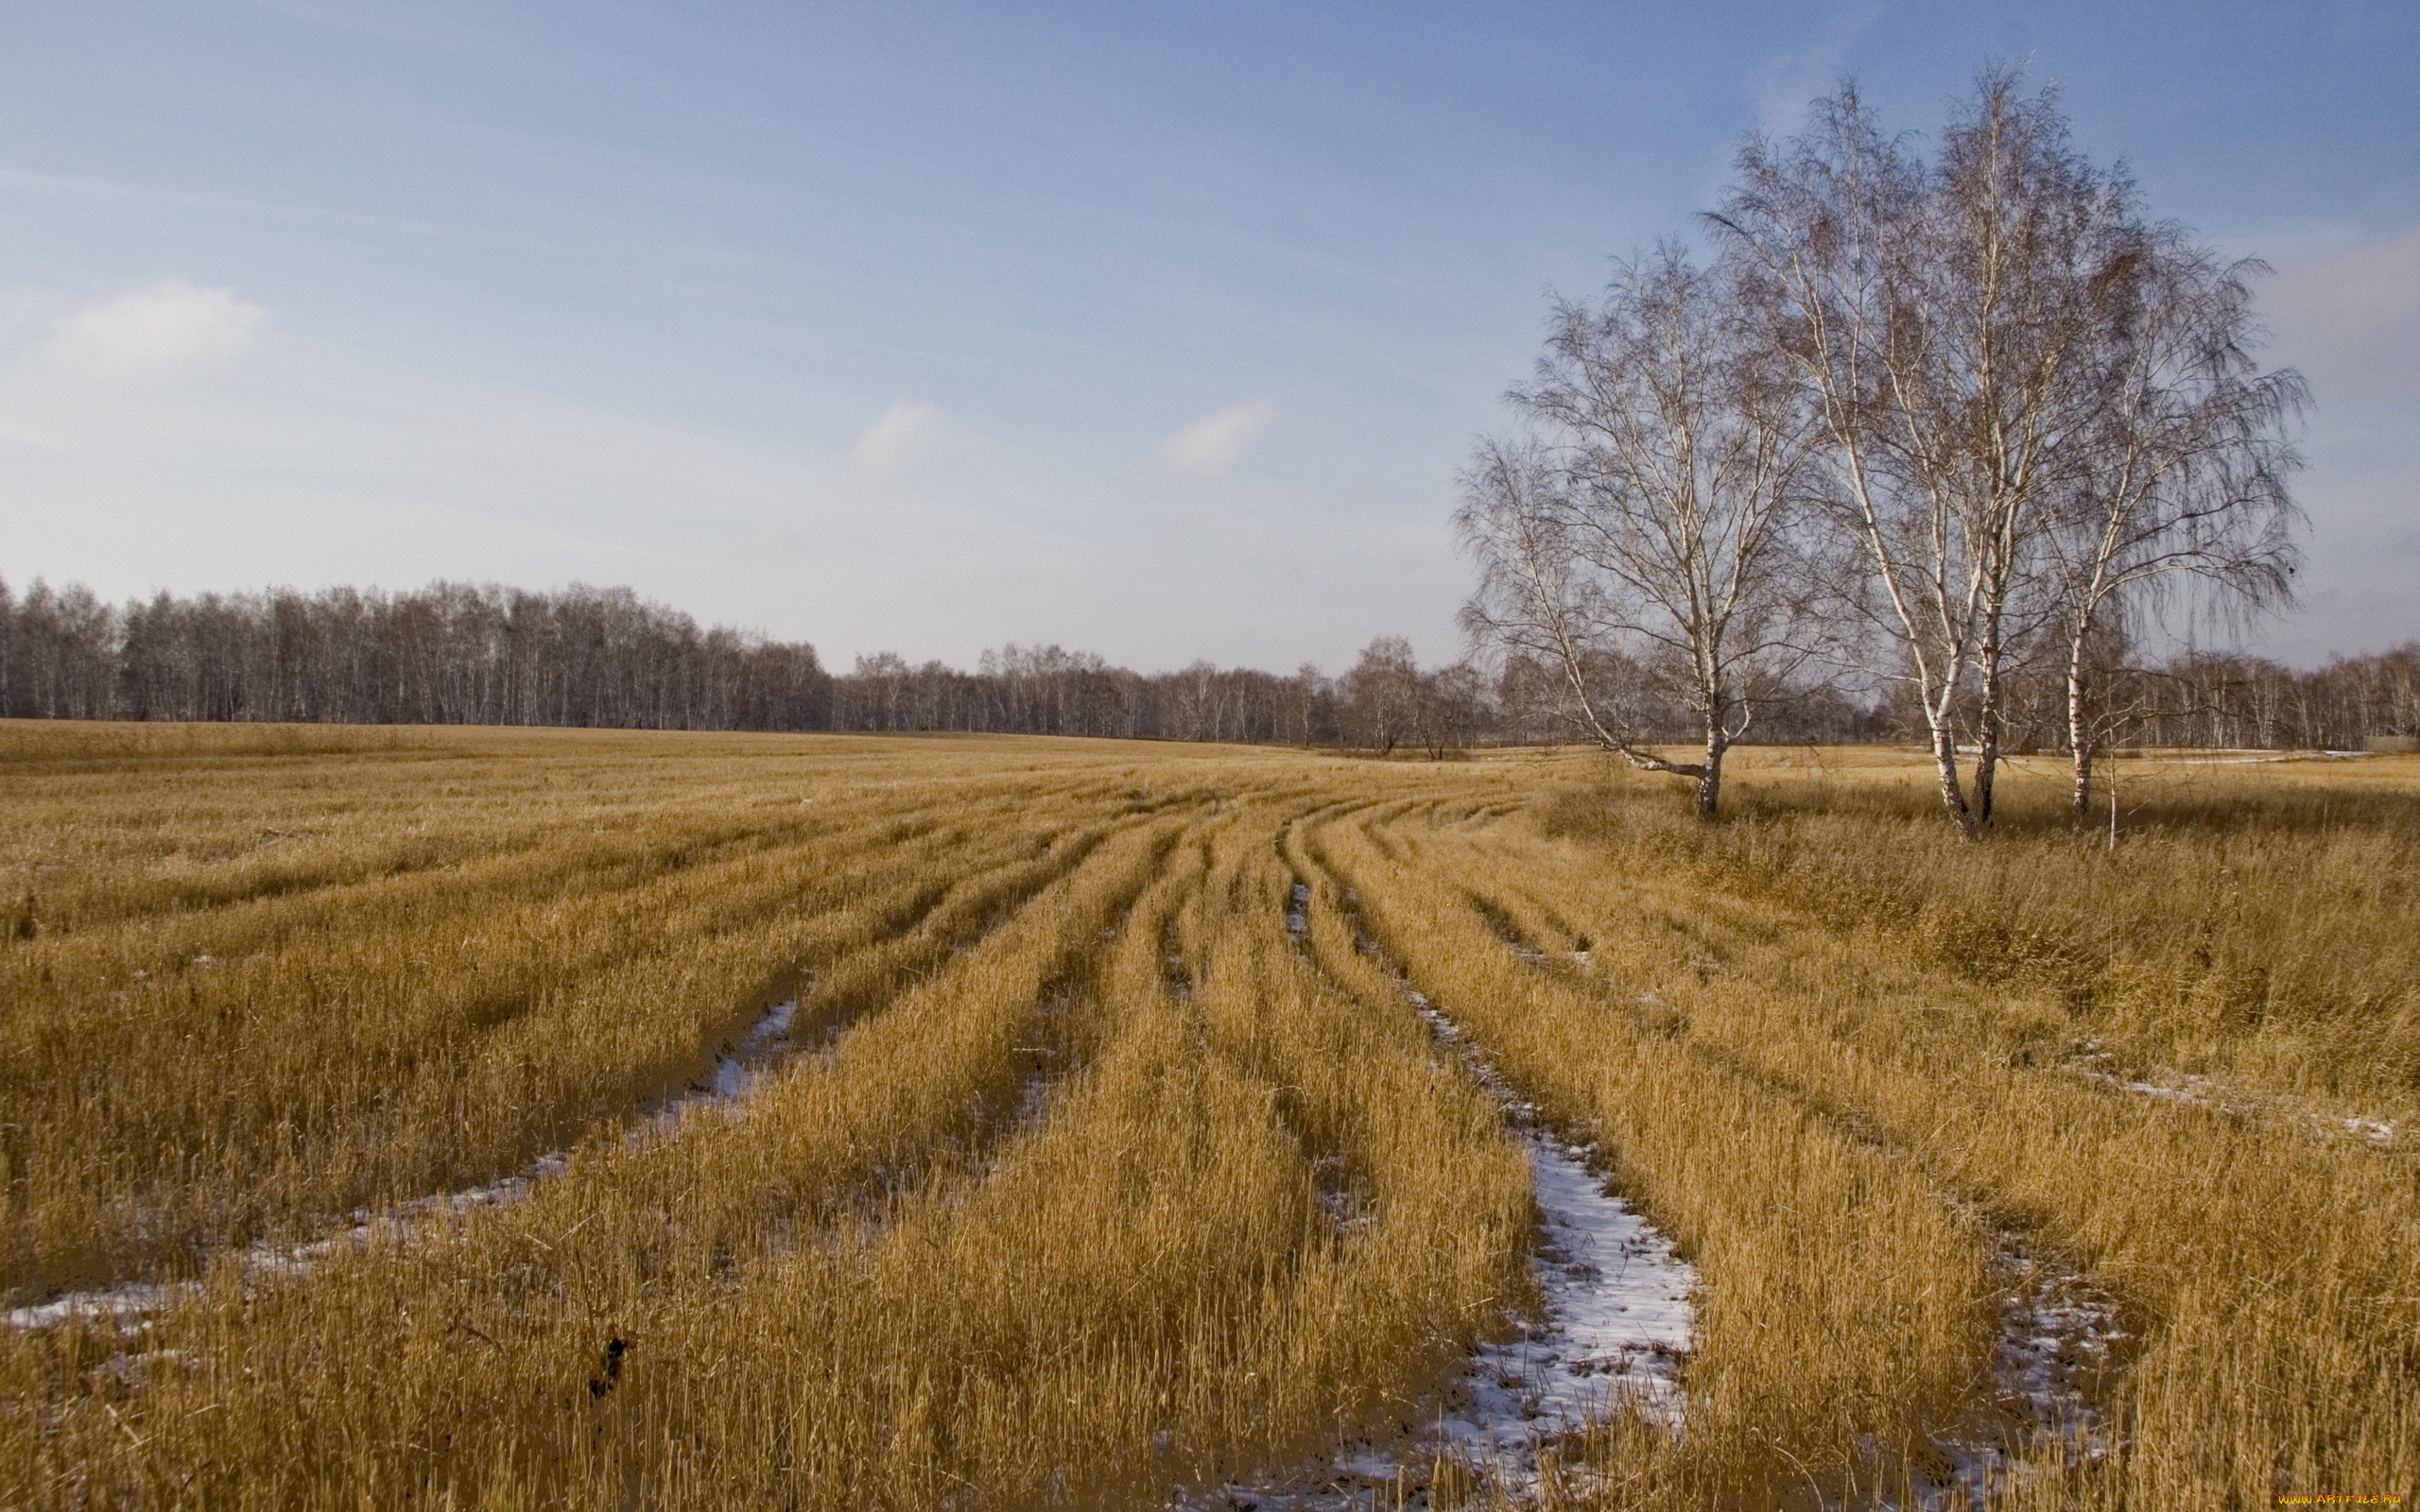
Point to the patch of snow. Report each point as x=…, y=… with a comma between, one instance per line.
x=2058, y=1329
x=2090, y=1061
x=124, y=1306
x=1618, y=1314
x=740, y=1067
x=735, y=1071
x=2059, y=1337
x=2224, y=758
x=1033, y=1100
x=1617, y=1321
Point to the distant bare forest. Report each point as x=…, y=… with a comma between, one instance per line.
x=453, y=654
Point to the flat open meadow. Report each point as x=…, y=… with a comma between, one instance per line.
x=516, y=1117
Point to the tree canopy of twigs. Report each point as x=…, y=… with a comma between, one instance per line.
x=2038, y=404
x=2181, y=488
x=1640, y=536
x=1947, y=420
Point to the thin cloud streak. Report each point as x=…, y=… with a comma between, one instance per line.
x=126, y=191
x=1208, y=447
x=890, y=443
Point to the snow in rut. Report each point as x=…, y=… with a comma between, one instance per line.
x=1618, y=1315
x=735, y=1071
x=2061, y=1335
x=2094, y=1063
x=1615, y=1323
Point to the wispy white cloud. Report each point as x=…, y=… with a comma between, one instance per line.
x=893, y=442
x=164, y=331
x=1208, y=447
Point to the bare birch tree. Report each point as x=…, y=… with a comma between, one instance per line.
x=1647, y=517
x=1945, y=319
x=2182, y=478
x=1382, y=693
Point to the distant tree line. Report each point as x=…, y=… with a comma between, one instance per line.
x=2248, y=701
x=606, y=658
x=449, y=654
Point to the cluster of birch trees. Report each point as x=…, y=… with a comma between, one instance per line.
x=1937, y=424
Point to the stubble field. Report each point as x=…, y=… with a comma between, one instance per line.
x=547, y=1118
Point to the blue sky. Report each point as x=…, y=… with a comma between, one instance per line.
x=1155, y=328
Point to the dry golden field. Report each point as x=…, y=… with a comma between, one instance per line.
x=515, y=1118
